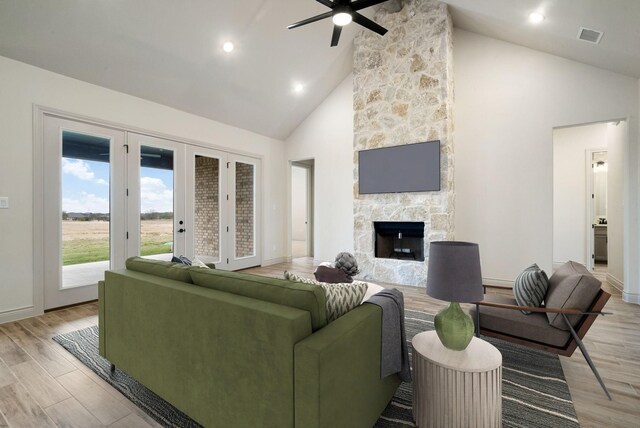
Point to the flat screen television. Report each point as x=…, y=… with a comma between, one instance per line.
x=406, y=168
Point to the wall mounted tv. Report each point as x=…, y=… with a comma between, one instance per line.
x=406, y=168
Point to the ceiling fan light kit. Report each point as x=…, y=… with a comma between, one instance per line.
x=342, y=13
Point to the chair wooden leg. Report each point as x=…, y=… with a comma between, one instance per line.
x=583, y=349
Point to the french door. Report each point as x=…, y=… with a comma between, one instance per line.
x=111, y=194
x=192, y=201
x=243, y=208
x=83, y=191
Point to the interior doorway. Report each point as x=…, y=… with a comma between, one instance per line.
x=302, y=175
x=588, y=216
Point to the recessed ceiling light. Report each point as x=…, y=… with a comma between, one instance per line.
x=227, y=47
x=536, y=18
x=298, y=88
x=342, y=18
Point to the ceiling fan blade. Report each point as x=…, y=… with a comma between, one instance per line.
x=310, y=20
x=369, y=24
x=363, y=4
x=327, y=3
x=336, y=35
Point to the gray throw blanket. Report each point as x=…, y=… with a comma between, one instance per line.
x=395, y=353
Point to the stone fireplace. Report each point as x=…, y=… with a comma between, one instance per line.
x=403, y=94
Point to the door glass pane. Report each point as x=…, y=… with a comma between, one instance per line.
x=207, y=209
x=85, y=208
x=245, y=207
x=156, y=202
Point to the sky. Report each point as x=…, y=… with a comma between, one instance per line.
x=85, y=187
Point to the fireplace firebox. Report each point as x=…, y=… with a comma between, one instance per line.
x=399, y=240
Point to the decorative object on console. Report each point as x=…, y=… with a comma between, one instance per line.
x=454, y=276
x=348, y=263
x=530, y=287
x=331, y=275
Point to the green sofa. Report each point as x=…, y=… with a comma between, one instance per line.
x=238, y=350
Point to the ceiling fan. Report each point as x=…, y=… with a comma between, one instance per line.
x=342, y=13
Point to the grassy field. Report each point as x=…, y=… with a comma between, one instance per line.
x=88, y=241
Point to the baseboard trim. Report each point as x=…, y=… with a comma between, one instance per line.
x=502, y=283
x=275, y=261
x=615, y=282
x=17, y=314
x=631, y=298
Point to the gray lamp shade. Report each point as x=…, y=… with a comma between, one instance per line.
x=454, y=272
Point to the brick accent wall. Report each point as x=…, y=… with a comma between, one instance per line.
x=207, y=207
x=244, y=209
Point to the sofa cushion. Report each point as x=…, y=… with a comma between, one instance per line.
x=161, y=268
x=308, y=297
x=293, y=277
x=514, y=323
x=571, y=287
x=530, y=287
x=331, y=275
x=341, y=298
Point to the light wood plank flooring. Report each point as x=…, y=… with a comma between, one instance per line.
x=42, y=385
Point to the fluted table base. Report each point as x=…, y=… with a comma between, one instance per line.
x=446, y=397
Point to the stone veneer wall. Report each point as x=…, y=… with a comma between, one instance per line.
x=403, y=93
x=207, y=212
x=244, y=209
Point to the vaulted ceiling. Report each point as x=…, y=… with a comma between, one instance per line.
x=171, y=52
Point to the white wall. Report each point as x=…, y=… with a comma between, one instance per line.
x=508, y=100
x=327, y=136
x=23, y=86
x=298, y=203
x=616, y=137
x=570, y=184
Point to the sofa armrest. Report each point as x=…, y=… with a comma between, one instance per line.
x=337, y=373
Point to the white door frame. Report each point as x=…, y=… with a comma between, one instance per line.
x=38, y=114
x=55, y=294
x=309, y=166
x=192, y=152
x=233, y=262
x=134, y=141
x=590, y=208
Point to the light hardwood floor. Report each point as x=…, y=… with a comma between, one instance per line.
x=42, y=385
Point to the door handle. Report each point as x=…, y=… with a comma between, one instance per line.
x=182, y=230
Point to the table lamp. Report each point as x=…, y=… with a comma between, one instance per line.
x=454, y=276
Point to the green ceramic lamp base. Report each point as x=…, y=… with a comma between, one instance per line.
x=454, y=327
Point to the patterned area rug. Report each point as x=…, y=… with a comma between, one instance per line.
x=534, y=391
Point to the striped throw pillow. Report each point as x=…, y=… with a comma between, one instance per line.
x=341, y=297
x=530, y=287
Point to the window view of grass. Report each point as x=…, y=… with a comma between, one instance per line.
x=88, y=241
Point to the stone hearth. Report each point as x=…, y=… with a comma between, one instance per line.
x=403, y=94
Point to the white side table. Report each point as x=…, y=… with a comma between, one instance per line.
x=456, y=388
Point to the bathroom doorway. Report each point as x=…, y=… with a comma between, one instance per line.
x=588, y=175
x=597, y=194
